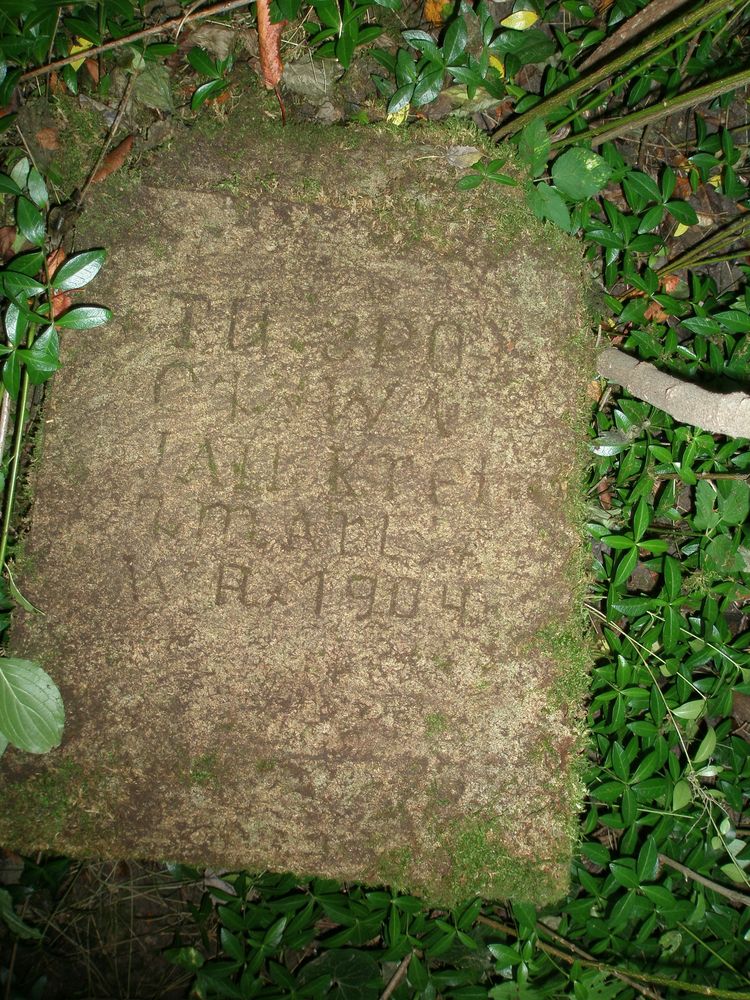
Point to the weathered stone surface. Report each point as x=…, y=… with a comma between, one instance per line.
x=300, y=526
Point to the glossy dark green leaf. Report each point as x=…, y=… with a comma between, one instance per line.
x=84, y=317
x=79, y=270
x=455, y=40
x=580, y=173
x=42, y=359
x=9, y=186
x=30, y=221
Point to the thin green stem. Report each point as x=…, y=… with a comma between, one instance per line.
x=18, y=429
x=653, y=113
x=15, y=461
x=697, y=17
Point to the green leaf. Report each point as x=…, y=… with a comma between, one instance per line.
x=30, y=221
x=202, y=62
x=547, y=203
x=580, y=173
x=11, y=919
x=681, y=795
x=37, y=189
x=648, y=861
x=79, y=270
x=642, y=185
x=531, y=46
x=707, y=746
x=401, y=99
x=672, y=577
x=690, y=709
x=12, y=374
x=683, y=212
x=153, y=88
x=31, y=709
x=187, y=957
x=534, y=147
x=18, y=597
x=9, y=186
x=641, y=519
x=427, y=87
x=42, y=360
x=706, y=497
x=469, y=181
x=625, y=567
x=206, y=90
x=84, y=317
x=454, y=43
x=624, y=874
x=721, y=556
x=20, y=286
x=232, y=945
x=734, y=500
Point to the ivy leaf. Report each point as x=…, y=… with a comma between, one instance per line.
x=31, y=708
x=11, y=919
x=84, y=317
x=79, y=270
x=30, y=221
x=42, y=359
x=455, y=40
x=580, y=173
x=547, y=203
x=534, y=146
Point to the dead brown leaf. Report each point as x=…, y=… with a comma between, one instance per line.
x=60, y=302
x=48, y=138
x=114, y=160
x=92, y=68
x=433, y=12
x=54, y=260
x=269, y=37
x=669, y=283
x=655, y=314
x=7, y=239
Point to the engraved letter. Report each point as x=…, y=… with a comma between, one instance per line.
x=178, y=367
x=362, y=588
x=445, y=348
x=232, y=579
x=405, y=598
x=248, y=330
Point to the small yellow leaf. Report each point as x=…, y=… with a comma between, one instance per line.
x=81, y=45
x=498, y=64
x=715, y=181
x=520, y=20
x=681, y=229
x=398, y=117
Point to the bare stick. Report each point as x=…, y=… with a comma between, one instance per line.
x=110, y=136
x=727, y=413
x=4, y=421
x=736, y=897
x=155, y=29
x=395, y=981
x=579, y=954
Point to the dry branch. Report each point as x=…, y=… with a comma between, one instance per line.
x=719, y=413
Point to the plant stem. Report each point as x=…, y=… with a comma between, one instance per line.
x=175, y=22
x=651, y=114
x=702, y=14
x=14, y=463
x=736, y=897
x=627, y=975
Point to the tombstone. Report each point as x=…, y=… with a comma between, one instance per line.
x=304, y=524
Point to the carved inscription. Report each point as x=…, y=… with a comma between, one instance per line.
x=326, y=475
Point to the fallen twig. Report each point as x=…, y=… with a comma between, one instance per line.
x=579, y=955
x=110, y=135
x=396, y=979
x=719, y=413
x=731, y=894
x=155, y=29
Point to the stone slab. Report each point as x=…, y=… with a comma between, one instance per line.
x=301, y=529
